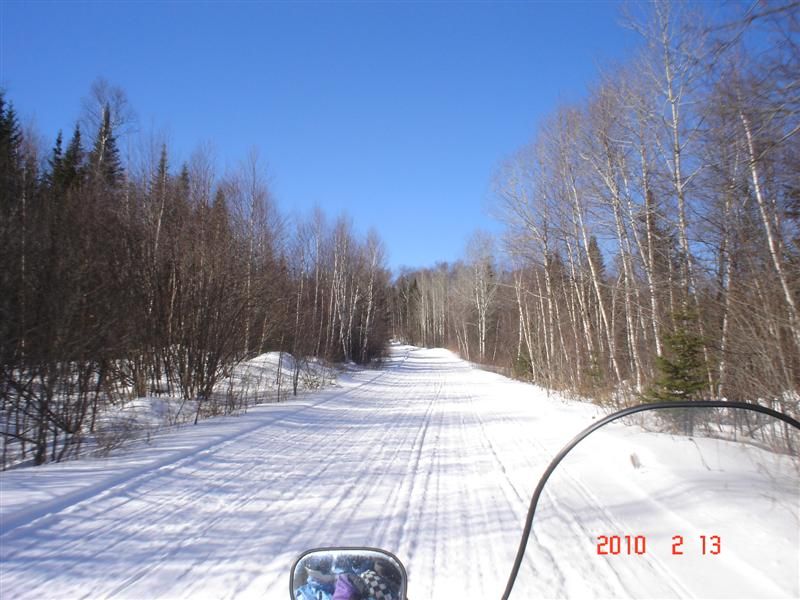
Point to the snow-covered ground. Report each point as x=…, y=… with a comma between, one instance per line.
x=266, y=378
x=429, y=458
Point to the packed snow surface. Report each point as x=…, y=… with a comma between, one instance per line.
x=427, y=457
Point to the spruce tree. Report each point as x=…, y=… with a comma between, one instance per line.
x=597, y=257
x=681, y=367
x=160, y=179
x=220, y=221
x=10, y=155
x=55, y=161
x=184, y=186
x=11, y=228
x=182, y=193
x=72, y=165
x=104, y=159
x=681, y=371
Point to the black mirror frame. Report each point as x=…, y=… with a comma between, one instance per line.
x=354, y=549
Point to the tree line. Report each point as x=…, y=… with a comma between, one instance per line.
x=651, y=230
x=131, y=278
x=651, y=250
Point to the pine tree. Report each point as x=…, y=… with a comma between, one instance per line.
x=11, y=234
x=682, y=371
x=184, y=187
x=682, y=367
x=161, y=175
x=182, y=193
x=104, y=159
x=597, y=257
x=220, y=220
x=10, y=155
x=56, y=159
x=72, y=165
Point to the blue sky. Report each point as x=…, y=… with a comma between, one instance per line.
x=397, y=113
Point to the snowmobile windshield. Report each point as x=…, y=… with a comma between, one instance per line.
x=670, y=502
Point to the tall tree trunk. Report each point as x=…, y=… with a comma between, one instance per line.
x=772, y=233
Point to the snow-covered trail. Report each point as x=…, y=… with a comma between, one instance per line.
x=404, y=458
x=427, y=457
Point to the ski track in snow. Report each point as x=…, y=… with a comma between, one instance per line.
x=428, y=457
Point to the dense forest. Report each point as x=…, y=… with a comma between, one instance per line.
x=651, y=250
x=651, y=229
x=133, y=278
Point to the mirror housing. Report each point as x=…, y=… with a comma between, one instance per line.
x=348, y=573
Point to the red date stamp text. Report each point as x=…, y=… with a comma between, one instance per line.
x=632, y=545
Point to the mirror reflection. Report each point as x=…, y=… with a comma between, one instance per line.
x=348, y=574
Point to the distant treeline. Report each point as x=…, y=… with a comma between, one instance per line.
x=651, y=251
x=652, y=243
x=136, y=277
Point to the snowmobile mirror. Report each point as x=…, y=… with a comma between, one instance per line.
x=349, y=574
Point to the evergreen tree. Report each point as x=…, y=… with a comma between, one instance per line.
x=104, y=159
x=597, y=257
x=72, y=165
x=10, y=155
x=182, y=191
x=681, y=367
x=184, y=183
x=11, y=228
x=162, y=174
x=220, y=220
x=682, y=372
x=56, y=160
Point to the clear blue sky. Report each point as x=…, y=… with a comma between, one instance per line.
x=397, y=113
